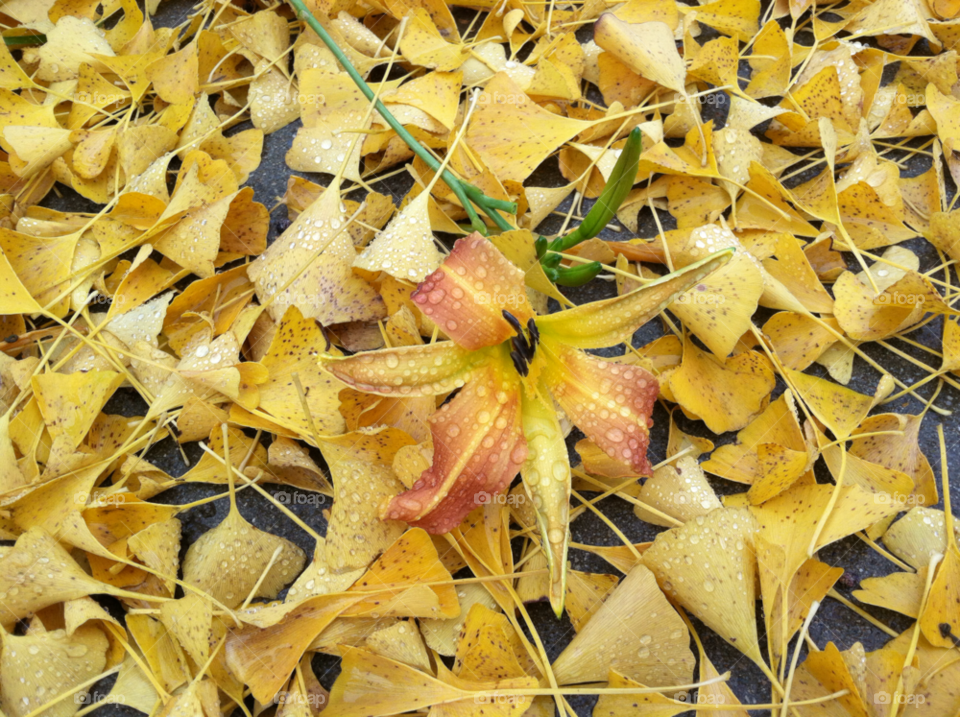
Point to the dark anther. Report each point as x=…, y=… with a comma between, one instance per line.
x=519, y=363
x=12, y=339
x=521, y=346
x=513, y=321
x=534, y=333
x=528, y=349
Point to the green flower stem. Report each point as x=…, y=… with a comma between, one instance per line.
x=468, y=194
x=576, y=275
x=621, y=181
x=603, y=210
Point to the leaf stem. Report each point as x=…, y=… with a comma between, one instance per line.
x=468, y=194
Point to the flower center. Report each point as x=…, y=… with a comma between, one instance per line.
x=524, y=344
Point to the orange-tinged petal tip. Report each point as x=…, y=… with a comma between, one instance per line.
x=468, y=294
x=611, y=403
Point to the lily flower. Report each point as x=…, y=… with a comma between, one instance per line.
x=512, y=368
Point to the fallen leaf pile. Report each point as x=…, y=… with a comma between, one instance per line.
x=791, y=234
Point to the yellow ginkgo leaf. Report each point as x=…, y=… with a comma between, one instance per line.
x=790, y=520
x=779, y=468
x=423, y=44
x=944, y=233
x=442, y=635
x=263, y=33
x=291, y=462
x=36, y=589
x=649, y=704
x=819, y=97
x=43, y=265
x=719, y=308
x=200, y=697
x=393, y=582
x=37, y=668
x=769, y=62
x=680, y=490
x=92, y=151
x=489, y=648
x=635, y=632
x=15, y=298
x=73, y=41
x=190, y=620
x=226, y=575
x=738, y=18
x=318, y=579
x=361, y=466
x=586, y=592
x=799, y=340
x=358, y=689
x=158, y=547
x=839, y=408
x=899, y=450
x=328, y=105
x=406, y=249
x=293, y=350
x=265, y=653
x=939, y=619
x=709, y=567
x=888, y=17
x=176, y=77
x=765, y=206
x=436, y=93
x=717, y=63
x=917, y=536
x=273, y=104
x=70, y=402
x=498, y=130
x=194, y=240
x=838, y=671
x=310, y=267
x=726, y=395
x=137, y=689
x=647, y=48
x=900, y=592
x=231, y=560
x=810, y=585
x=870, y=476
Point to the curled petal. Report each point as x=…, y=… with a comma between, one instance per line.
x=478, y=448
x=609, y=322
x=468, y=294
x=546, y=476
x=610, y=402
x=407, y=371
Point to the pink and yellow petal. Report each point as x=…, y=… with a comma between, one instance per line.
x=467, y=295
x=612, y=321
x=610, y=402
x=408, y=370
x=478, y=448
